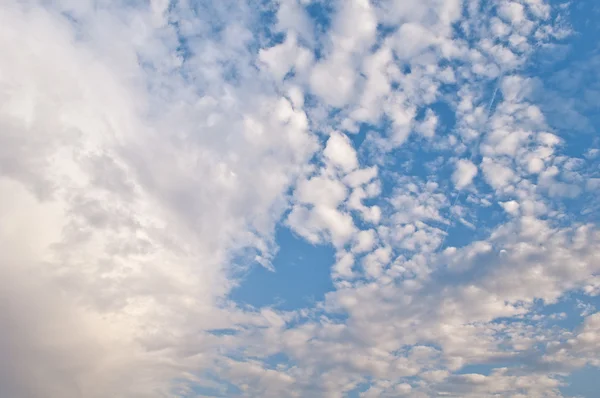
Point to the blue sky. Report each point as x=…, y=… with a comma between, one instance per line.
x=299, y=198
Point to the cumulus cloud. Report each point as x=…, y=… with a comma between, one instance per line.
x=464, y=174
x=340, y=152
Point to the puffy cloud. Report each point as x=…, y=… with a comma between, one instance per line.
x=354, y=29
x=365, y=240
x=282, y=58
x=497, y=175
x=334, y=81
x=511, y=207
x=512, y=11
x=361, y=177
x=428, y=126
x=322, y=224
x=321, y=191
x=340, y=153
x=464, y=174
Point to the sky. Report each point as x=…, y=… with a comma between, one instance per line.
x=299, y=198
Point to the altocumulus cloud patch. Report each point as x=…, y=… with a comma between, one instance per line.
x=299, y=198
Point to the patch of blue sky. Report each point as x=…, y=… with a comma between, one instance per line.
x=485, y=369
x=213, y=386
x=582, y=19
x=574, y=305
x=358, y=138
x=416, y=158
x=578, y=210
x=223, y=332
x=301, y=277
x=582, y=383
x=443, y=110
x=320, y=12
x=566, y=80
x=358, y=390
x=459, y=235
x=267, y=35
x=383, y=31
x=183, y=49
x=443, y=277
x=276, y=360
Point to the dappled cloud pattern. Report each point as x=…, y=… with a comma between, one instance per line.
x=446, y=152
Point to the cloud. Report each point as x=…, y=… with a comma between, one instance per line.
x=282, y=58
x=496, y=174
x=464, y=174
x=149, y=151
x=340, y=152
x=365, y=240
x=124, y=155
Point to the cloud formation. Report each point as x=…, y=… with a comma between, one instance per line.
x=150, y=151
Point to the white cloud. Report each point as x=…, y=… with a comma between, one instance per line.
x=374, y=262
x=355, y=26
x=512, y=11
x=133, y=190
x=428, y=126
x=292, y=16
x=322, y=224
x=511, y=207
x=340, y=153
x=365, y=240
x=535, y=165
x=334, y=81
x=321, y=191
x=343, y=266
x=281, y=58
x=361, y=177
x=496, y=174
x=464, y=174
